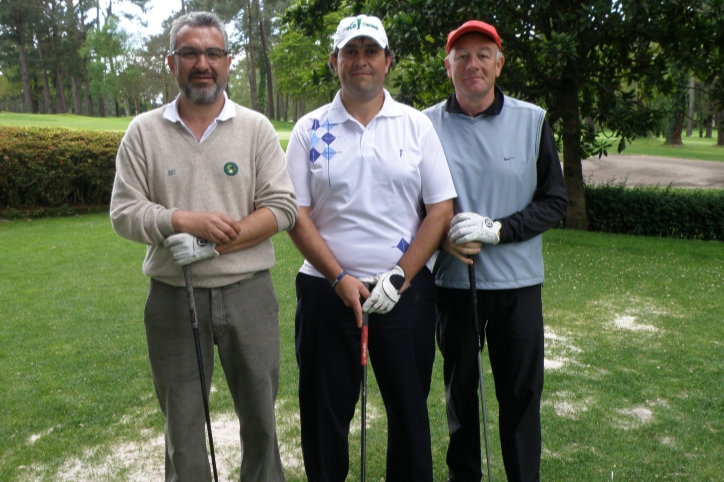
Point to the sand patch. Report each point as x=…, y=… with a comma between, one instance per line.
x=559, y=352
x=567, y=405
x=629, y=323
x=635, y=417
x=143, y=460
x=35, y=437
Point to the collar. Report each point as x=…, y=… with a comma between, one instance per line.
x=227, y=112
x=338, y=114
x=452, y=106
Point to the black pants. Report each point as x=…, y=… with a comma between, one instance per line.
x=402, y=352
x=515, y=342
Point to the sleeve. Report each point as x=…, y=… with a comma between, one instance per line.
x=133, y=215
x=549, y=200
x=274, y=189
x=298, y=166
x=437, y=183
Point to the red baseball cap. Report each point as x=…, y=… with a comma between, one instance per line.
x=473, y=26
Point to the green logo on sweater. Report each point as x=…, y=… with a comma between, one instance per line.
x=231, y=169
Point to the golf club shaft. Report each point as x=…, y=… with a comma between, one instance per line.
x=363, y=362
x=474, y=300
x=204, y=394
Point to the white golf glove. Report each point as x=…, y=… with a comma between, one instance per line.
x=468, y=227
x=384, y=296
x=187, y=248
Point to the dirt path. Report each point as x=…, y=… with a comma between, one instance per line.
x=651, y=170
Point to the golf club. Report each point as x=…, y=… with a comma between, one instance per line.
x=204, y=395
x=363, y=428
x=474, y=299
x=397, y=281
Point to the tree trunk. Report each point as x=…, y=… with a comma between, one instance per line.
x=720, y=129
x=673, y=136
x=692, y=102
x=24, y=72
x=60, y=106
x=679, y=106
x=101, y=106
x=707, y=124
x=252, y=63
x=279, y=107
x=572, y=168
x=267, y=63
x=118, y=107
x=77, y=98
x=47, y=102
x=167, y=82
x=301, y=108
x=88, y=99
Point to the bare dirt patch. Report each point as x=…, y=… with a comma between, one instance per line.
x=654, y=171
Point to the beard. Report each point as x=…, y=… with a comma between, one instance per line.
x=196, y=95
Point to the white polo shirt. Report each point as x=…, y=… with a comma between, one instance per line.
x=366, y=186
x=227, y=112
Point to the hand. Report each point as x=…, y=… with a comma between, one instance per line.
x=351, y=291
x=386, y=293
x=462, y=252
x=215, y=227
x=467, y=227
x=187, y=249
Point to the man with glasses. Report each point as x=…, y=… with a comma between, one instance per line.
x=203, y=180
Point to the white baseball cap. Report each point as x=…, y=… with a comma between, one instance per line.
x=360, y=26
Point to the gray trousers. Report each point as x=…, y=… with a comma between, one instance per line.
x=242, y=320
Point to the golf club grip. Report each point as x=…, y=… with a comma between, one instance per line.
x=364, y=332
x=473, y=285
x=190, y=293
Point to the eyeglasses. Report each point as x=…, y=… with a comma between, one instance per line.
x=188, y=54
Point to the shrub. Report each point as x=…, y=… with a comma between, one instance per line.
x=655, y=211
x=51, y=167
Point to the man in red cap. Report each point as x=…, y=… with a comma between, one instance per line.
x=506, y=171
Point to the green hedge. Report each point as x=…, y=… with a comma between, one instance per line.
x=655, y=211
x=50, y=168
x=54, y=167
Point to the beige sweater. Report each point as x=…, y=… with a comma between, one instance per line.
x=161, y=168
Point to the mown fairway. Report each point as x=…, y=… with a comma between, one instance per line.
x=694, y=147
x=634, y=368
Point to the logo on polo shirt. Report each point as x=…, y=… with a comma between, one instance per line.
x=404, y=244
x=231, y=169
x=321, y=140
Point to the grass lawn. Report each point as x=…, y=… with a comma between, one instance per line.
x=284, y=129
x=695, y=147
x=68, y=121
x=634, y=338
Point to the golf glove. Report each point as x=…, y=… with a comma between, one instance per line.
x=187, y=248
x=385, y=295
x=468, y=227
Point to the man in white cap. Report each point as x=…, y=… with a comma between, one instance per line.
x=375, y=197
x=505, y=165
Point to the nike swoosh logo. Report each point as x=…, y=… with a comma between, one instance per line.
x=508, y=158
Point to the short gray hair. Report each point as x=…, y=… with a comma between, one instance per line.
x=198, y=19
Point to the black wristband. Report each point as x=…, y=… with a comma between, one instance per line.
x=338, y=278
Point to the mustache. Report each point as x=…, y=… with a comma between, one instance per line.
x=206, y=72
x=361, y=70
